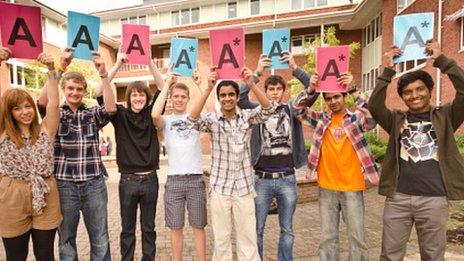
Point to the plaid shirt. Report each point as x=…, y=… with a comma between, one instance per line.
x=231, y=170
x=355, y=124
x=77, y=154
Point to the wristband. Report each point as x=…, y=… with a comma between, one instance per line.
x=258, y=73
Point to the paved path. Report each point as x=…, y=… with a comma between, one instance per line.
x=306, y=228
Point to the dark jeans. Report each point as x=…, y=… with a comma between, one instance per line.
x=17, y=248
x=137, y=190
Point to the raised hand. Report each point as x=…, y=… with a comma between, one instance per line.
x=247, y=75
x=212, y=78
x=393, y=52
x=196, y=77
x=288, y=57
x=99, y=64
x=313, y=82
x=5, y=54
x=433, y=49
x=263, y=62
x=47, y=60
x=121, y=58
x=66, y=58
x=345, y=79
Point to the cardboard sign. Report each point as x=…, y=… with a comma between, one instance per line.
x=275, y=43
x=184, y=56
x=83, y=34
x=331, y=62
x=411, y=33
x=227, y=52
x=136, y=43
x=21, y=30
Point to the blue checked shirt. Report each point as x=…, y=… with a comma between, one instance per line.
x=77, y=154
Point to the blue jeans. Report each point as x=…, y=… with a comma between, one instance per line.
x=91, y=198
x=351, y=204
x=135, y=191
x=285, y=190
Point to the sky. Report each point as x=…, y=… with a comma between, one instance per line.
x=88, y=6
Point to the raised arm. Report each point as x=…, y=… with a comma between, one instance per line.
x=244, y=100
x=260, y=95
x=301, y=105
x=108, y=95
x=198, y=106
x=52, y=119
x=157, y=110
x=121, y=59
x=156, y=75
x=5, y=54
x=65, y=60
x=376, y=104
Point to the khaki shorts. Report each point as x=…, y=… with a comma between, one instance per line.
x=17, y=216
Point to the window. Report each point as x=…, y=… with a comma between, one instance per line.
x=22, y=76
x=403, y=67
x=254, y=7
x=462, y=33
x=134, y=20
x=44, y=28
x=298, y=42
x=185, y=16
x=303, y=4
x=232, y=10
x=402, y=4
x=369, y=78
x=372, y=31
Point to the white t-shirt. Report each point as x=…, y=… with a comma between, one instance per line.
x=182, y=145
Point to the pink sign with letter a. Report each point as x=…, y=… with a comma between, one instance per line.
x=331, y=62
x=21, y=30
x=227, y=52
x=136, y=43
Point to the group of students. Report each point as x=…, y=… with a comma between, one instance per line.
x=51, y=171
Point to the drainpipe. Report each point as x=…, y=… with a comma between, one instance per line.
x=437, y=71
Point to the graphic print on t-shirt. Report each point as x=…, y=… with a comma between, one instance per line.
x=418, y=141
x=276, y=135
x=338, y=133
x=181, y=129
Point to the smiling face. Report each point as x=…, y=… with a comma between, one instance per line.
x=138, y=100
x=335, y=102
x=179, y=100
x=416, y=96
x=228, y=99
x=23, y=113
x=73, y=92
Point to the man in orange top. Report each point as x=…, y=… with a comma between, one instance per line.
x=342, y=160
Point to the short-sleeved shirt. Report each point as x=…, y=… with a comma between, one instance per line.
x=182, y=144
x=77, y=155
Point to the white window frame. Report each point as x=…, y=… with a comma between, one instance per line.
x=236, y=9
x=259, y=9
x=414, y=68
x=408, y=3
x=316, y=5
x=375, y=31
x=138, y=19
x=300, y=50
x=179, y=20
x=462, y=35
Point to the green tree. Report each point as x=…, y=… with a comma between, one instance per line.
x=330, y=39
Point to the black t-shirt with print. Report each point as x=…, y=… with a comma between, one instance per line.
x=420, y=173
x=276, y=135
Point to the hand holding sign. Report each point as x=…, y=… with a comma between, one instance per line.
x=21, y=30
x=47, y=60
x=313, y=83
x=411, y=33
x=331, y=62
x=121, y=58
x=433, y=49
x=247, y=75
x=83, y=34
x=390, y=55
x=99, y=64
x=275, y=42
x=66, y=58
x=288, y=57
x=212, y=78
x=263, y=62
x=5, y=54
x=227, y=52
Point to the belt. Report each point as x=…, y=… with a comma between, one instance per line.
x=135, y=176
x=272, y=175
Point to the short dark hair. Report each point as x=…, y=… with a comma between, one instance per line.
x=227, y=83
x=411, y=77
x=138, y=86
x=274, y=80
x=343, y=93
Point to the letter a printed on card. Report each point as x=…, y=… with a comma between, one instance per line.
x=227, y=52
x=21, y=30
x=83, y=34
x=275, y=43
x=184, y=56
x=411, y=33
x=331, y=62
x=136, y=43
